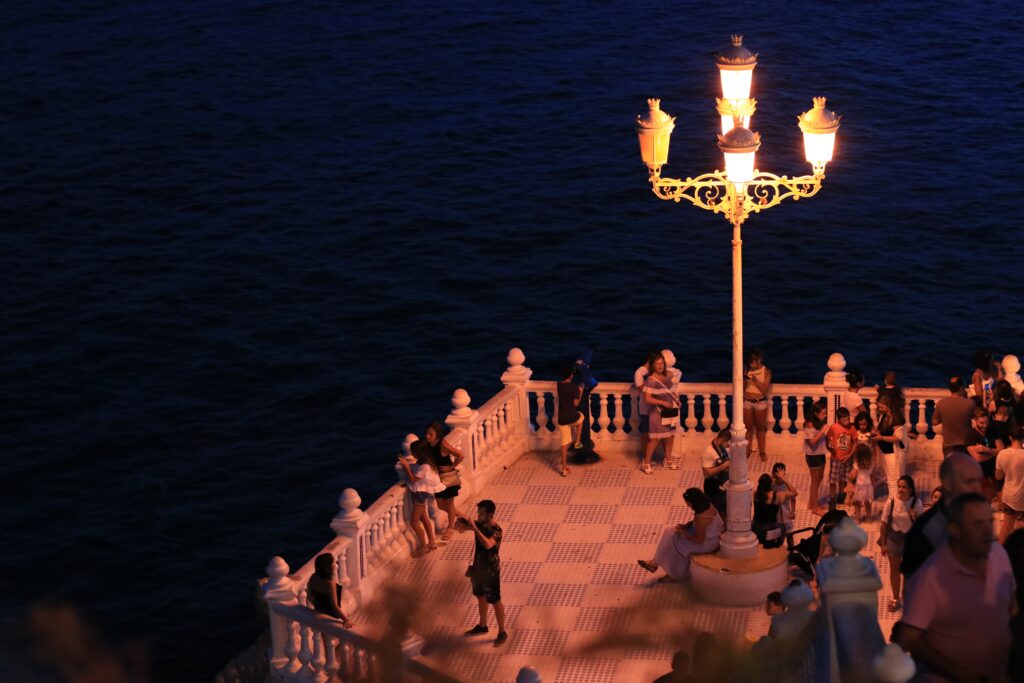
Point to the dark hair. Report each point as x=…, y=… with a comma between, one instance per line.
x=863, y=454
x=712, y=487
x=681, y=661
x=753, y=353
x=909, y=481
x=723, y=432
x=956, y=384
x=1003, y=393
x=487, y=506
x=1017, y=432
x=777, y=467
x=983, y=360
x=438, y=428
x=764, y=485
x=955, y=510
x=652, y=357
x=813, y=419
x=864, y=415
x=696, y=499
x=895, y=405
x=854, y=377
x=423, y=453
x=979, y=412
x=842, y=412
x=323, y=566
x=568, y=369
x=775, y=597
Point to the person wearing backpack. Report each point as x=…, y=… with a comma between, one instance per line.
x=898, y=515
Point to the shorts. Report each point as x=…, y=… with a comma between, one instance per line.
x=760, y=404
x=839, y=472
x=450, y=492
x=421, y=497
x=645, y=423
x=815, y=461
x=566, y=430
x=894, y=543
x=486, y=585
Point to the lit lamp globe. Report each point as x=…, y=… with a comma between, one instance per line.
x=739, y=146
x=819, y=126
x=736, y=68
x=654, y=130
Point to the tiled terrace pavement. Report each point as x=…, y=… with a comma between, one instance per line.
x=578, y=606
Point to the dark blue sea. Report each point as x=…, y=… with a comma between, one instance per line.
x=248, y=246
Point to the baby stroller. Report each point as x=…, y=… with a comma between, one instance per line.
x=805, y=552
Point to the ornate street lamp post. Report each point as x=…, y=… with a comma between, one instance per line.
x=736, y=193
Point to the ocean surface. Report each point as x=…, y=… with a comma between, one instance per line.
x=248, y=246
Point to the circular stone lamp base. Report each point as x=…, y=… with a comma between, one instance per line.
x=739, y=582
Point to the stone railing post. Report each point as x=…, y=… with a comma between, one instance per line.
x=518, y=375
x=350, y=522
x=464, y=417
x=849, y=584
x=280, y=590
x=835, y=384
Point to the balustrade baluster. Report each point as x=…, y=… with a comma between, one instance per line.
x=620, y=420
x=318, y=663
x=784, y=420
x=723, y=411
x=502, y=431
x=343, y=578
x=603, y=419
x=294, y=644
x=707, y=419
x=799, y=424
x=634, y=413
x=362, y=671
x=306, y=647
x=770, y=417
x=873, y=409
x=332, y=664
x=348, y=661
x=921, y=426
x=691, y=413
x=542, y=416
x=906, y=414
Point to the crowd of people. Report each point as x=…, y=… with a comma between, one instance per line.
x=957, y=588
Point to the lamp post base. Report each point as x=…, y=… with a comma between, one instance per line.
x=737, y=582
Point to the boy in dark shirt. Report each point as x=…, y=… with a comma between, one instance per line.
x=485, y=572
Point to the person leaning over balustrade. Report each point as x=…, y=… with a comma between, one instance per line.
x=954, y=414
x=678, y=543
x=956, y=621
x=959, y=474
x=757, y=389
x=323, y=589
x=1010, y=470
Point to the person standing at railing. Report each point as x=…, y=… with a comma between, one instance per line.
x=323, y=589
x=446, y=458
x=485, y=572
x=570, y=419
x=644, y=410
x=983, y=381
x=852, y=400
x=892, y=440
x=659, y=389
x=757, y=389
x=424, y=484
x=815, y=444
x=842, y=438
x=954, y=414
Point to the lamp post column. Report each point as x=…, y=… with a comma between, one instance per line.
x=738, y=540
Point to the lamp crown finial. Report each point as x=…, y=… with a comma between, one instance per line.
x=819, y=102
x=654, y=103
x=737, y=39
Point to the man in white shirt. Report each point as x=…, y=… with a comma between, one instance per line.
x=1010, y=468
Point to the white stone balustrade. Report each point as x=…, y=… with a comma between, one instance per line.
x=520, y=418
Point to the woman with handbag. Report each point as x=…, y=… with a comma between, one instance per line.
x=898, y=515
x=757, y=389
x=659, y=392
x=446, y=459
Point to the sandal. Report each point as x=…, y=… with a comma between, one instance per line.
x=432, y=546
x=648, y=565
x=646, y=469
x=565, y=471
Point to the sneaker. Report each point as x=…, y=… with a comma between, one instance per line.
x=477, y=630
x=500, y=640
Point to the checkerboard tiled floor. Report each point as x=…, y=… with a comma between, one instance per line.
x=578, y=606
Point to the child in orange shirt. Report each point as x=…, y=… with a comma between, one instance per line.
x=842, y=438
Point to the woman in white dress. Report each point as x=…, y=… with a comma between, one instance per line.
x=701, y=535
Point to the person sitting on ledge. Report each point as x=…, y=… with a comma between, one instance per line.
x=323, y=591
x=679, y=542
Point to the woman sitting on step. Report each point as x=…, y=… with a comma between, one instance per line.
x=679, y=542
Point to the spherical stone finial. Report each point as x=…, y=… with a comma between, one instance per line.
x=349, y=501
x=836, y=362
x=1011, y=364
x=277, y=568
x=460, y=402
x=528, y=675
x=798, y=596
x=847, y=539
x=515, y=357
x=893, y=665
x=407, y=443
